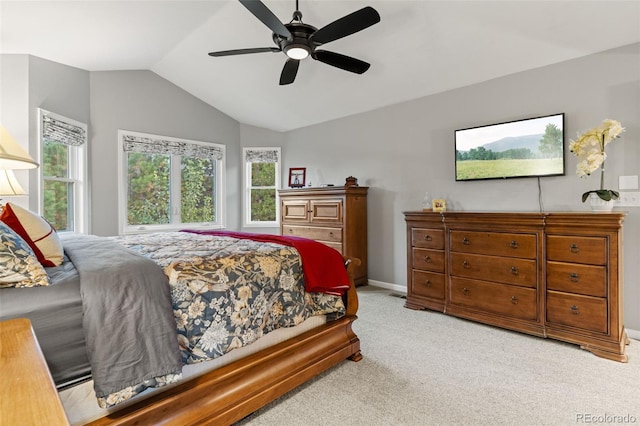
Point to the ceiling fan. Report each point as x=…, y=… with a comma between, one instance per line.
x=299, y=40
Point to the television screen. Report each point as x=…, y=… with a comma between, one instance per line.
x=523, y=148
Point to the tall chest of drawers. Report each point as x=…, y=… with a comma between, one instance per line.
x=335, y=216
x=553, y=275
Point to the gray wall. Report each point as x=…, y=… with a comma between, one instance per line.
x=141, y=101
x=404, y=150
x=399, y=151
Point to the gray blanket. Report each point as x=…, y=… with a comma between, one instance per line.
x=127, y=317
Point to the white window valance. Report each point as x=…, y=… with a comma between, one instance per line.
x=265, y=155
x=59, y=129
x=151, y=144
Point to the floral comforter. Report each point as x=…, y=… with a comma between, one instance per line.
x=227, y=292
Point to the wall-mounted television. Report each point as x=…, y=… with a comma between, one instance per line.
x=531, y=147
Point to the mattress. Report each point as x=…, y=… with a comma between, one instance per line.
x=55, y=312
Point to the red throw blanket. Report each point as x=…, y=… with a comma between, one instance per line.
x=322, y=266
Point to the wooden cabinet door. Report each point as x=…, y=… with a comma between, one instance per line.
x=325, y=211
x=295, y=211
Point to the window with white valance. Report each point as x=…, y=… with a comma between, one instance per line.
x=261, y=182
x=63, y=168
x=167, y=183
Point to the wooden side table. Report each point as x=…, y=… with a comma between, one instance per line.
x=28, y=394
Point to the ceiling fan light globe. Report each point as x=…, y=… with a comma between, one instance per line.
x=297, y=52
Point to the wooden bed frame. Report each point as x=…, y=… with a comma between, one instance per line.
x=232, y=392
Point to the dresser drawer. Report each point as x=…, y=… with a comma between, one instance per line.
x=428, y=260
x=508, y=270
x=427, y=238
x=576, y=278
x=586, y=312
x=567, y=248
x=494, y=243
x=428, y=284
x=518, y=302
x=314, y=232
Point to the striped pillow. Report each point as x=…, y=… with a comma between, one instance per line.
x=36, y=231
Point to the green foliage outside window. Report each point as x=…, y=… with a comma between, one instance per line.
x=263, y=200
x=148, y=192
x=197, y=190
x=57, y=194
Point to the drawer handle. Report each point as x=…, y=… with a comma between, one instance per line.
x=465, y=291
x=331, y=234
x=574, y=248
x=574, y=277
x=290, y=231
x=427, y=282
x=466, y=264
x=514, y=244
x=427, y=238
x=514, y=300
x=514, y=270
x=427, y=259
x=575, y=310
x=466, y=241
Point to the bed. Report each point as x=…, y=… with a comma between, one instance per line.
x=222, y=373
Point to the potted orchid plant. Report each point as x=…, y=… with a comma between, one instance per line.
x=589, y=148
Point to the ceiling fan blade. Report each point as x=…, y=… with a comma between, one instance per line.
x=267, y=17
x=289, y=71
x=244, y=51
x=344, y=62
x=347, y=25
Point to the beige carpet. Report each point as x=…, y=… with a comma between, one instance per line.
x=425, y=368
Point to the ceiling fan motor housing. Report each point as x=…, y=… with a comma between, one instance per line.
x=301, y=38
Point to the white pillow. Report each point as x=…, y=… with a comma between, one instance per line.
x=36, y=231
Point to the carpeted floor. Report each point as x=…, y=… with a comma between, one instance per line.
x=426, y=368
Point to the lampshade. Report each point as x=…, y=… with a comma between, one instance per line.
x=9, y=185
x=12, y=155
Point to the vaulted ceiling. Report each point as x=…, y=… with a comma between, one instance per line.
x=418, y=48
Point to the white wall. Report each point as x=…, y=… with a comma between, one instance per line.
x=14, y=113
x=29, y=83
x=404, y=150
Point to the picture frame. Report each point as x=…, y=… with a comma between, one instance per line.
x=439, y=205
x=297, y=177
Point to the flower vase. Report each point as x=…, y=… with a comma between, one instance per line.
x=598, y=204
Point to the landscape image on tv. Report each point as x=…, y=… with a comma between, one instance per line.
x=523, y=148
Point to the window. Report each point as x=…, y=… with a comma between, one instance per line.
x=63, y=168
x=262, y=177
x=169, y=183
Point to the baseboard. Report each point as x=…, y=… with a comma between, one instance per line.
x=633, y=334
x=394, y=287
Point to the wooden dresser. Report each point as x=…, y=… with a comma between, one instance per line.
x=555, y=275
x=335, y=216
